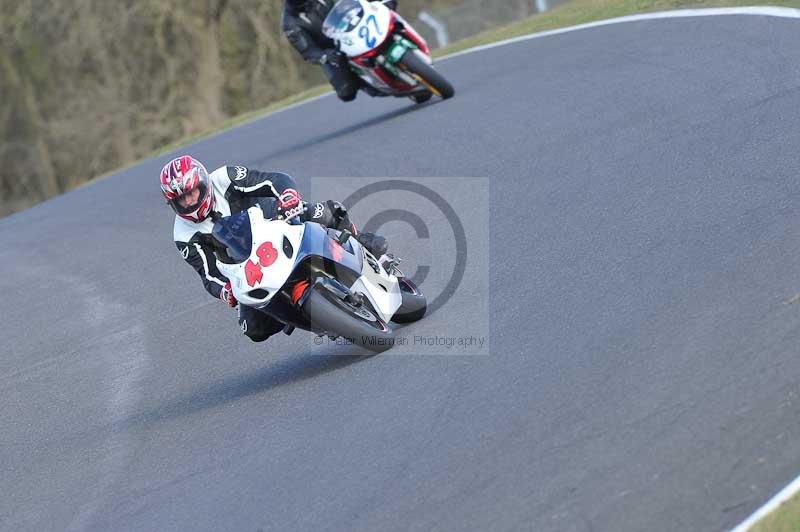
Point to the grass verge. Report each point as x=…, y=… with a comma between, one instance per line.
x=785, y=518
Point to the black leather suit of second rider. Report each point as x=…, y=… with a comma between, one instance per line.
x=301, y=22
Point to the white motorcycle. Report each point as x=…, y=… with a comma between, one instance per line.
x=384, y=50
x=314, y=278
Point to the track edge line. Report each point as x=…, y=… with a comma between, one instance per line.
x=770, y=11
x=782, y=496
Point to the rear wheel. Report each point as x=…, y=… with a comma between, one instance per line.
x=426, y=75
x=329, y=314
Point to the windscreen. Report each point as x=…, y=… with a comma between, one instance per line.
x=343, y=18
x=234, y=233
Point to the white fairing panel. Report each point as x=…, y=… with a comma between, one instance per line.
x=381, y=288
x=268, y=266
x=370, y=33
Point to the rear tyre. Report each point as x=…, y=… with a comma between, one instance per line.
x=331, y=315
x=414, y=304
x=426, y=75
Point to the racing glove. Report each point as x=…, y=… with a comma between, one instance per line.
x=328, y=213
x=289, y=204
x=226, y=294
x=333, y=57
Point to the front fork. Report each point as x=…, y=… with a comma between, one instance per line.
x=397, y=50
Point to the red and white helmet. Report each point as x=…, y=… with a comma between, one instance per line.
x=182, y=176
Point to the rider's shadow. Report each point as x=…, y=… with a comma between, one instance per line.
x=296, y=369
x=319, y=139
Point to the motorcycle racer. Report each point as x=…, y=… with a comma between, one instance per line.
x=199, y=197
x=301, y=22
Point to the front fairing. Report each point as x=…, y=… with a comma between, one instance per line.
x=358, y=26
x=264, y=254
x=318, y=255
x=260, y=275
x=341, y=261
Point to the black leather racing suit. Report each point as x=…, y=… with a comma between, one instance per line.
x=301, y=22
x=236, y=189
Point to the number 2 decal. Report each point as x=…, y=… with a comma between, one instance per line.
x=364, y=31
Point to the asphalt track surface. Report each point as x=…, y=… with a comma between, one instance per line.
x=643, y=372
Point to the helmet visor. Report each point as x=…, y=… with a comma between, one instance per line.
x=195, y=192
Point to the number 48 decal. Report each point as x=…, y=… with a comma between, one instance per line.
x=267, y=255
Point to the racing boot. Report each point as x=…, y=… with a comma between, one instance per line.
x=343, y=80
x=375, y=244
x=333, y=214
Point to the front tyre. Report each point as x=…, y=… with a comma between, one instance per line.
x=414, y=303
x=330, y=314
x=426, y=75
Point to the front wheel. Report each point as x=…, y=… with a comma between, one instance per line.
x=414, y=303
x=426, y=75
x=358, y=324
